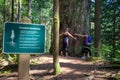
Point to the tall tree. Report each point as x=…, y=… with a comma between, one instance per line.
x=19, y=11
x=97, y=37
x=4, y=9
x=57, y=68
x=12, y=14
x=29, y=8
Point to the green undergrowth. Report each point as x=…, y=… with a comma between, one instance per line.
x=5, y=72
x=8, y=69
x=94, y=59
x=117, y=77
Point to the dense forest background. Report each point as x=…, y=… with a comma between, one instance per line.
x=78, y=15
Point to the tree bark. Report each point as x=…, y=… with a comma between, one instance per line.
x=75, y=15
x=97, y=37
x=55, y=51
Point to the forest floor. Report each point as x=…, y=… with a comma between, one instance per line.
x=73, y=68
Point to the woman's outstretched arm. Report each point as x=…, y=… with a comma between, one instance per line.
x=71, y=35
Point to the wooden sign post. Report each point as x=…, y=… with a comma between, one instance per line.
x=23, y=67
x=24, y=62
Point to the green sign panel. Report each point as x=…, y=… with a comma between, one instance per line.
x=23, y=38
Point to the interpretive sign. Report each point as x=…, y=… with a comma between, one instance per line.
x=23, y=38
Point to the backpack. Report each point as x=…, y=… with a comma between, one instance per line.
x=89, y=38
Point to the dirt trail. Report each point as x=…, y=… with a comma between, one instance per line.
x=73, y=68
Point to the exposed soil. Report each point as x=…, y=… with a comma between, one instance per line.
x=73, y=68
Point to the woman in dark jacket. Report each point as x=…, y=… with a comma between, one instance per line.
x=65, y=43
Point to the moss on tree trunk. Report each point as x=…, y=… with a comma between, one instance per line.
x=55, y=51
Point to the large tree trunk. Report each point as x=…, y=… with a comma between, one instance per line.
x=75, y=15
x=55, y=51
x=97, y=37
